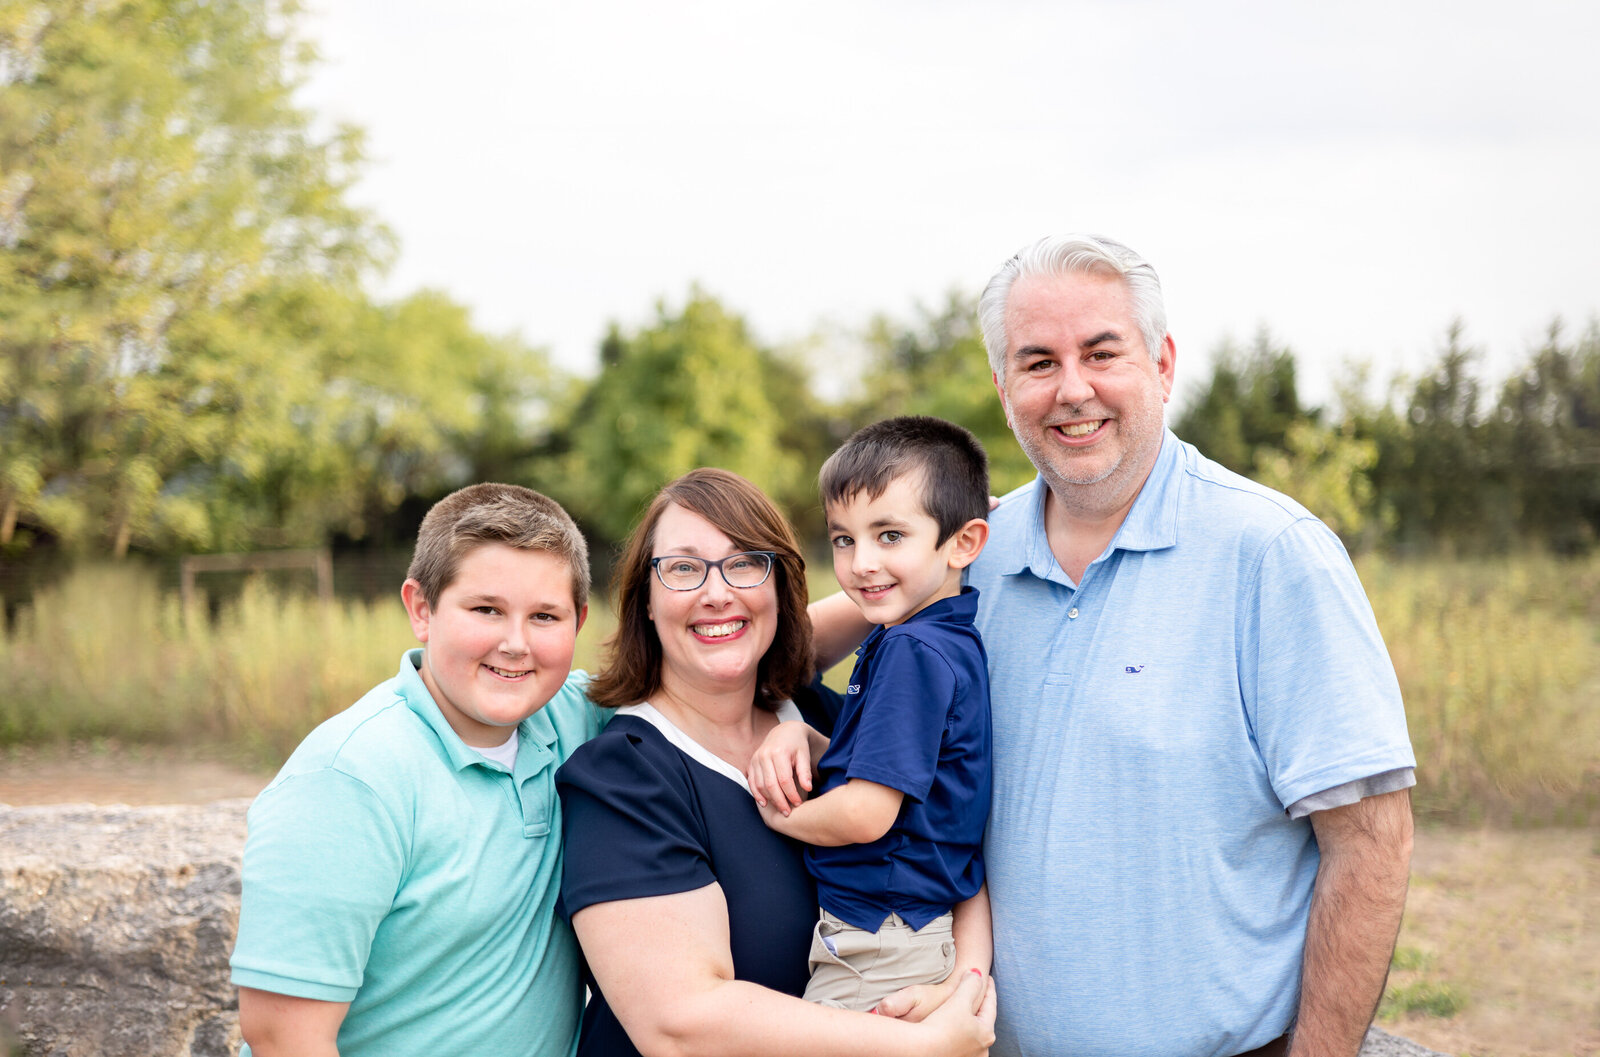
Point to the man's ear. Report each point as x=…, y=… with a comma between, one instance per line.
x=1005, y=405
x=967, y=543
x=416, y=609
x=1168, y=367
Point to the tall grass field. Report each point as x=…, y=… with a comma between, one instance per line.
x=1499, y=663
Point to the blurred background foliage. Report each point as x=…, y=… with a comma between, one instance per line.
x=191, y=361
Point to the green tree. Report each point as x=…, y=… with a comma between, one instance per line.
x=1547, y=427
x=688, y=390
x=1443, y=475
x=386, y=402
x=1246, y=407
x=1327, y=471
x=157, y=184
x=935, y=364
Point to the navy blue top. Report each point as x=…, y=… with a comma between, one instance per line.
x=644, y=819
x=916, y=719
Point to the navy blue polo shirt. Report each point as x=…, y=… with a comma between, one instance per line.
x=916, y=719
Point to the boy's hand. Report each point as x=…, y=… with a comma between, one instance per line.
x=780, y=770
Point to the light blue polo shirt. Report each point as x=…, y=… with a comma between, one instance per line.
x=1151, y=724
x=391, y=866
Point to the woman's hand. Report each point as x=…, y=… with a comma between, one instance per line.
x=914, y=1003
x=965, y=1024
x=780, y=769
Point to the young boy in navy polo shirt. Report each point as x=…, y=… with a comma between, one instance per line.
x=896, y=823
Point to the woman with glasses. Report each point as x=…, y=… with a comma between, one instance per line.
x=695, y=918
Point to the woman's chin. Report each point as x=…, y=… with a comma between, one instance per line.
x=726, y=674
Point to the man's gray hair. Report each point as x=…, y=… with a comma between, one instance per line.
x=1064, y=254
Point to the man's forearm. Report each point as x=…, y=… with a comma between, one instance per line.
x=1356, y=908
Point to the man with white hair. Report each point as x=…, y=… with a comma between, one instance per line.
x=1201, y=828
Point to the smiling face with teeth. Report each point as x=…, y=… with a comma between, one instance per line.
x=498, y=645
x=712, y=638
x=1082, y=394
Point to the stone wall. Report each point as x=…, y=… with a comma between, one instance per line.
x=116, y=924
x=115, y=929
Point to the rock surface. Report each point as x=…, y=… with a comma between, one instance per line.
x=116, y=924
x=1380, y=1043
x=115, y=929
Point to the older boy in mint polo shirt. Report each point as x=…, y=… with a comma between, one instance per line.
x=402, y=870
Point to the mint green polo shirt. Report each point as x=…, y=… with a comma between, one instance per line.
x=390, y=866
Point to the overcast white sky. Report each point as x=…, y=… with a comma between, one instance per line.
x=1352, y=175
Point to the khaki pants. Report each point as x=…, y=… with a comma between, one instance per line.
x=863, y=967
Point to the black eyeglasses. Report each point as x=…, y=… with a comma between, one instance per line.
x=685, y=572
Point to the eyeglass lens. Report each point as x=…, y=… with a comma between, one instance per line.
x=682, y=572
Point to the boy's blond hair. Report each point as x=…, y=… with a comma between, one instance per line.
x=495, y=513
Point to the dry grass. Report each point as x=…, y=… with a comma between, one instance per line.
x=1499, y=664
x=106, y=654
x=1509, y=924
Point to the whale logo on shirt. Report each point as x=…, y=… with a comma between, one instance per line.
x=854, y=688
x=1134, y=669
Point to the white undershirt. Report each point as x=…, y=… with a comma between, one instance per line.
x=505, y=755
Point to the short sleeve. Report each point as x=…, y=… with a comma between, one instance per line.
x=322, y=863
x=903, y=718
x=631, y=820
x=1318, y=684
x=819, y=704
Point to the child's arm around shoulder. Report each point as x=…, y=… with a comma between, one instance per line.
x=780, y=769
x=857, y=812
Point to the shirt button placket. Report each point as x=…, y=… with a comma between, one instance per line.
x=535, y=794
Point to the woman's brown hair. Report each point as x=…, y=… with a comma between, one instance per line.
x=739, y=510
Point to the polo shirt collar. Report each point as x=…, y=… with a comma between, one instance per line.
x=1151, y=524
x=536, y=729
x=957, y=609
x=1152, y=521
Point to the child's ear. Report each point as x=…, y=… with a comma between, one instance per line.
x=583, y=614
x=416, y=608
x=967, y=543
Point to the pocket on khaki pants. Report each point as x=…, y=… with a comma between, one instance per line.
x=855, y=969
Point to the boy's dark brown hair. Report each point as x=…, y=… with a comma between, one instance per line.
x=946, y=463
x=495, y=513
x=739, y=510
